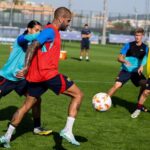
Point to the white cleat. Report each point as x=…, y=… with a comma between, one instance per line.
x=136, y=113
x=69, y=138
x=4, y=142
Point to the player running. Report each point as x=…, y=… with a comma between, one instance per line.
x=41, y=66
x=133, y=57
x=8, y=79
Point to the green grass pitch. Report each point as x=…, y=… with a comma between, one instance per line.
x=111, y=130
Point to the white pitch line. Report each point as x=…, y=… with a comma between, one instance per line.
x=99, y=82
x=85, y=81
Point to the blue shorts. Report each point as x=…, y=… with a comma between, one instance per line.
x=7, y=86
x=57, y=84
x=85, y=45
x=124, y=76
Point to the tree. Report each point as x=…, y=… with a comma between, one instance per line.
x=16, y=2
x=122, y=26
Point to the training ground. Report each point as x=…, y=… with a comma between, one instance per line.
x=111, y=130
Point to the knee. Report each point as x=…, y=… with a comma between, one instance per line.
x=117, y=85
x=79, y=95
x=146, y=93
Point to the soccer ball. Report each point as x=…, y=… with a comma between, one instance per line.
x=101, y=101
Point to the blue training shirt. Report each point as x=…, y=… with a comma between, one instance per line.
x=46, y=35
x=134, y=61
x=16, y=59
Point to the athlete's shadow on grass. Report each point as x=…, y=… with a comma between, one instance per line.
x=25, y=126
x=58, y=141
x=74, y=58
x=130, y=106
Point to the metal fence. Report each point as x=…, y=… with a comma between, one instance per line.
x=20, y=18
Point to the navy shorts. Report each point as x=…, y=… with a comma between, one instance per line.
x=58, y=84
x=85, y=45
x=124, y=76
x=7, y=86
x=148, y=84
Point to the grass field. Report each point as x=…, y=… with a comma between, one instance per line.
x=111, y=130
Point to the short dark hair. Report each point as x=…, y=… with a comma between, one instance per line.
x=62, y=12
x=139, y=30
x=86, y=24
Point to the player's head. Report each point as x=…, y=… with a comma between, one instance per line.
x=139, y=33
x=62, y=16
x=33, y=27
x=86, y=26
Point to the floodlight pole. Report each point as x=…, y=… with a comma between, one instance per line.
x=136, y=18
x=11, y=13
x=105, y=18
x=147, y=18
x=69, y=4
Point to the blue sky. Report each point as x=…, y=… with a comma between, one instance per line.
x=115, y=6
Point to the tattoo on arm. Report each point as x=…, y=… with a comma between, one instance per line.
x=30, y=52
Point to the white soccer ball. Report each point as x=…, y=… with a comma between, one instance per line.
x=101, y=101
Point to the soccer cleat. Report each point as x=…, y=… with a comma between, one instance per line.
x=136, y=113
x=4, y=142
x=144, y=109
x=41, y=131
x=69, y=138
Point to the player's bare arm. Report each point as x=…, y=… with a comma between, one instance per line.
x=121, y=59
x=30, y=52
x=29, y=55
x=140, y=70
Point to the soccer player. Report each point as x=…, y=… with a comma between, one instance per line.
x=133, y=57
x=41, y=69
x=85, y=42
x=8, y=79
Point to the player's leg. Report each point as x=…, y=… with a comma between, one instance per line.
x=82, y=50
x=21, y=89
x=36, y=112
x=140, y=106
x=87, y=51
x=62, y=84
x=139, y=80
x=114, y=88
x=17, y=117
x=76, y=98
x=122, y=78
x=87, y=55
x=70, y=89
x=142, y=99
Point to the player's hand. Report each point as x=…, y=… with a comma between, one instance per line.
x=140, y=70
x=22, y=73
x=127, y=63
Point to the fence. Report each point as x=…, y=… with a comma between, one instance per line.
x=16, y=16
